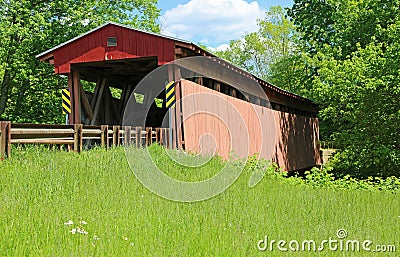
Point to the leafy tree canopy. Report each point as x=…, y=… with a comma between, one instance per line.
x=353, y=48
x=28, y=89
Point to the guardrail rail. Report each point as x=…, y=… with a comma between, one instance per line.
x=73, y=136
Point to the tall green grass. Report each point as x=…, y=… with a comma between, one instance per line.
x=40, y=190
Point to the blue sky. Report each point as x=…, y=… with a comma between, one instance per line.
x=213, y=22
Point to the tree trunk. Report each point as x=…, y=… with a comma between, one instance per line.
x=5, y=86
x=6, y=82
x=20, y=97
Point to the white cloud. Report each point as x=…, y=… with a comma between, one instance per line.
x=222, y=47
x=212, y=22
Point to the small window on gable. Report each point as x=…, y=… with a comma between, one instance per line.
x=112, y=41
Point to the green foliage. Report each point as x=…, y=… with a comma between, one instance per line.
x=272, y=53
x=257, y=52
x=325, y=179
x=353, y=48
x=29, y=92
x=322, y=177
x=40, y=190
x=266, y=168
x=342, y=25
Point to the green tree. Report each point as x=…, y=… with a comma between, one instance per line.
x=248, y=53
x=28, y=90
x=273, y=53
x=341, y=25
x=352, y=48
x=259, y=51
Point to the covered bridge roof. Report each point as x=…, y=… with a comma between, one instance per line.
x=120, y=45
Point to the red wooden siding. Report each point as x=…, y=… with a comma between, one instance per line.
x=130, y=44
x=297, y=141
x=212, y=119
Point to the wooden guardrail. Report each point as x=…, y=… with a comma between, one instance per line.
x=73, y=136
x=327, y=150
x=327, y=145
x=5, y=139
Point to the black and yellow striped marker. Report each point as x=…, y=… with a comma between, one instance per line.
x=66, y=101
x=170, y=94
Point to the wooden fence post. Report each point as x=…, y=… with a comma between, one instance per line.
x=104, y=136
x=149, y=136
x=158, y=136
x=116, y=140
x=5, y=140
x=168, y=144
x=162, y=136
x=138, y=136
x=128, y=136
x=78, y=138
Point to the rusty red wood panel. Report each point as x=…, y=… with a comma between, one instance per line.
x=212, y=120
x=160, y=49
x=130, y=44
x=139, y=43
x=297, y=145
x=147, y=44
x=168, y=55
x=127, y=43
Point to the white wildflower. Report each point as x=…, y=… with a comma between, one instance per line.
x=73, y=231
x=96, y=237
x=85, y=22
x=82, y=231
x=69, y=223
x=132, y=244
x=83, y=222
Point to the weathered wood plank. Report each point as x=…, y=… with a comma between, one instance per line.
x=78, y=137
x=127, y=136
x=86, y=105
x=149, y=136
x=104, y=136
x=75, y=97
x=138, y=136
x=16, y=131
x=5, y=139
x=116, y=133
x=97, y=101
x=45, y=141
x=96, y=93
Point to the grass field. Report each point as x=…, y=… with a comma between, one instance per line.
x=114, y=215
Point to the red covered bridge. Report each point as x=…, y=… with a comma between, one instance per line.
x=114, y=58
